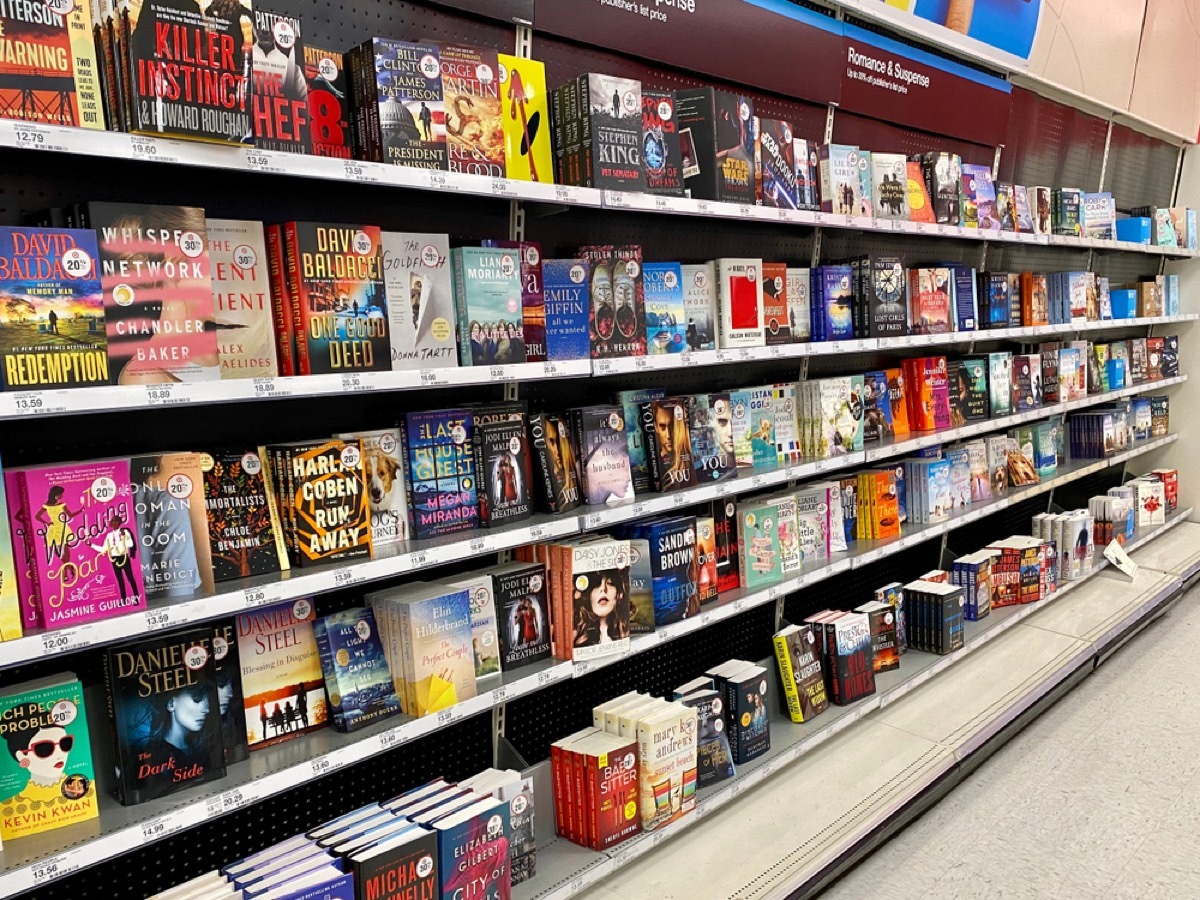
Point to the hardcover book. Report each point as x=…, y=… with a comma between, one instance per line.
x=745, y=693
x=808, y=175
x=608, y=152
x=502, y=459
x=237, y=251
x=553, y=445
x=473, y=851
x=776, y=328
x=775, y=164
x=674, y=569
x=51, y=68
x=565, y=284
x=358, y=682
x=329, y=118
x=525, y=109
x=407, y=863
x=1006, y=207
x=725, y=531
x=600, y=609
x=326, y=500
x=666, y=315
x=700, y=304
x=801, y=672
x=439, y=468
x=533, y=306
x=471, y=96
x=400, y=114
x=920, y=207
x=278, y=88
x=604, y=454
x=853, y=674
x=758, y=545
x=489, y=300
x=716, y=143
x=231, y=706
x=52, y=330
x=617, y=312
x=943, y=178
x=833, y=302
x=163, y=711
x=168, y=503
x=420, y=300
x=714, y=759
x=740, y=300
x=929, y=300
x=383, y=473
x=637, y=436
x=244, y=530
x=660, y=143
x=886, y=301
x=668, y=444
x=522, y=614
x=889, y=172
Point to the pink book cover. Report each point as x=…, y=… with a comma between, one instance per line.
x=85, y=543
x=935, y=371
x=18, y=525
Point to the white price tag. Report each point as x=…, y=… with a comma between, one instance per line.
x=321, y=765
x=149, y=149
x=502, y=187
x=537, y=532
x=389, y=739
x=343, y=578
x=231, y=800
x=52, y=868
x=498, y=694
x=356, y=171
x=61, y=642
x=29, y=403
x=430, y=377
x=356, y=382
x=563, y=194
x=445, y=717
x=265, y=388
x=617, y=199
x=258, y=596
x=663, y=204
x=166, y=394
x=30, y=137
x=704, y=207
x=544, y=678
x=1116, y=555
x=158, y=828
x=157, y=619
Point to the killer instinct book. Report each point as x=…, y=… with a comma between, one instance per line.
x=283, y=687
x=666, y=315
x=51, y=309
x=660, y=143
x=399, y=113
x=471, y=95
x=716, y=141
x=42, y=790
x=163, y=711
x=358, y=682
x=524, y=105
x=775, y=164
x=522, y=614
x=565, y=292
x=329, y=118
x=244, y=531
x=158, y=297
x=237, y=251
x=168, y=503
x=503, y=463
x=278, y=87
x=440, y=476
x=617, y=314
x=420, y=300
x=326, y=494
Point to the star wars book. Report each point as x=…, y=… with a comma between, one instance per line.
x=51, y=309
x=168, y=503
x=716, y=142
x=357, y=680
x=603, y=453
x=244, y=530
x=525, y=118
x=440, y=476
x=502, y=461
x=163, y=711
x=565, y=291
x=660, y=143
x=668, y=444
x=889, y=172
x=326, y=496
x=399, y=113
x=48, y=779
x=158, y=297
x=329, y=119
x=237, y=251
x=617, y=314
x=278, y=87
x=283, y=686
x=472, y=98
x=185, y=70
x=420, y=300
x=775, y=164
x=710, y=427
x=522, y=614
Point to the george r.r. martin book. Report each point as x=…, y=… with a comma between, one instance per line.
x=471, y=97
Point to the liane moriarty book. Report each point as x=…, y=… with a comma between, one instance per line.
x=439, y=463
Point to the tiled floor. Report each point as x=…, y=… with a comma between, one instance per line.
x=1098, y=798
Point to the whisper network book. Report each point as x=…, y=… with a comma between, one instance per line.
x=439, y=463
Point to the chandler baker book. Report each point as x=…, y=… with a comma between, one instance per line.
x=439, y=464
x=163, y=711
x=51, y=309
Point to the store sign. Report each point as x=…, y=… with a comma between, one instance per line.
x=1007, y=25
x=888, y=80
x=519, y=11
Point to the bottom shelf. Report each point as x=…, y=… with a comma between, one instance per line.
x=855, y=778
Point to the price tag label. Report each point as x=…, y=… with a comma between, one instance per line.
x=784, y=215
x=638, y=510
x=164, y=395
x=343, y=578
x=544, y=678
x=30, y=137
x=157, y=619
x=259, y=596
x=54, y=867
x=502, y=187
x=704, y=207
x=850, y=221
x=321, y=765
x=61, y=642
x=158, y=828
x=356, y=382
x=678, y=500
x=498, y=694
x=744, y=354
x=537, y=532
x=745, y=211
x=389, y=739
x=663, y=204
x=257, y=161
x=445, y=717
x=356, y=171
x=563, y=194
x=821, y=218
x=265, y=388
x=430, y=377
x=640, y=363
x=35, y=403
x=1116, y=555
x=477, y=545
x=231, y=800
x=593, y=520
x=148, y=148
x=605, y=367
x=418, y=559
x=617, y=199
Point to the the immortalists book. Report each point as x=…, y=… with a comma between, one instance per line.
x=522, y=614
x=471, y=95
x=283, y=687
x=329, y=125
x=51, y=309
x=48, y=779
x=237, y=251
x=487, y=283
x=244, y=530
x=358, y=682
x=168, y=502
x=339, y=304
x=328, y=513
x=660, y=143
x=716, y=143
x=163, y=711
x=279, y=89
x=439, y=466
x=420, y=300
x=399, y=113
x=617, y=313
x=185, y=70
x=525, y=110
x=158, y=297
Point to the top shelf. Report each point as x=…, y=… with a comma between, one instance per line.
x=111, y=144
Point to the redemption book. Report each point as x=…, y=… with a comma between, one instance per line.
x=660, y=143
x=617, y=314
x=471, y=95
x=244, y=531
x=158, y=296
x=439, y=465
x=168, y=502
x=399, y=113
x=357, y=679
x=242, y=296
x=329, y=117
x=279, y=89
x=163, y=711
x=51, y=309
x=420, y=300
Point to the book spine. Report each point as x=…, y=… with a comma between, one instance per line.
x=272, y=494
x=788, y=676
x=291, y=253
x=123, y=768
x=32, y=605
x=281, y=301
x=321, y=636
x=560, y=793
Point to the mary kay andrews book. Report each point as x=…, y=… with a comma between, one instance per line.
x=168, y=502
x=237, y=251
x=420, y=300
x=439, y=464
x=667, y=771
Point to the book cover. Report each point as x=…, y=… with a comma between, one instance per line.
x=1066, y=211
x=725, y=531
x=400, y=112
x=666, y=315
x=604, y=455
x=339, y=305
x=641, y=586
x=553, y=445
x=609, y=766
x=700, y=304
x=409, y=866
x=19, y=603
x=600, y=606
x=785, y=403
x=163, y=711
x=943, y=178
x=706, y=558
x=970, y=391
x=168, y=503
x=877, y=407
x=808, y=178
x=740, y=300
x=801, y=672
x=667, y=772
x=329, y=115
x=668, y=444
x=716, y=144
x=48, y=780
x=383, y=474
x=749, y=720
x=1024, y=211
x=502, y=458
x=776, y=328
x=1000, y=384
x=533, y=305
x=471, y=96
x=237, y=251
x=920, y=207
x=758, y=545
x=440, y=476
x=473, y=852
x=775, y=164
x=674, y=569
x=753, y=426
x=639, y=436
x=158, y=297
x=420, y=300
x=565, y=292
x=617, y=314
x=714, y=758
x=326, y=493
x=854, y=671
x=841, y=183
x=886, y=301
x=231, y=705
x=834, y=286
x=889, y=175
x=243, y=527
x=278, y=87
x=485, y=641
x=283, y=686
x=522, y=614
x=524, y=104
x=610, y=147
x=660, y=143
x=929, y=299
x=358, y=682
x=1006, y=207
x=1099, y=212
x=52, y=330
x=799, y=309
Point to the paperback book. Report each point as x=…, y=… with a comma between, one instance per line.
x=522, y=614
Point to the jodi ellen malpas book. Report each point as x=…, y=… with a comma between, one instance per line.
x=420, y=300
x=440, y=472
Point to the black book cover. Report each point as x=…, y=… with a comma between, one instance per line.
x=279, y=93
x=556, y=463
x=854, y=663
x=242, y=530
x=660, y=143
x=502, y=458
x=1050, y=372
x=716, y=144
x=952, y=622
x=230, y=706
x=611, y=132
x=749, y=719
x=714, y=761
x=522, y=616
x=887, y=304
x=164, y=711
x=943, y=180
x=668, y=444
x=407, y=872
x=724, y=514
x=1170, y=356
x=969, y=390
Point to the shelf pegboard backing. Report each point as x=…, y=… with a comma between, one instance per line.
x=1141, y=169
x=888, y=137
x=1120, y=268
x=1033, y=258
x=839, y=244
x=1052, y=144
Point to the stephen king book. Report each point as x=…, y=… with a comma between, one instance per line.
x=279, y=89
x=51, y=309
x=565, y=284
x=603, y=453
x=48, y=779
x=522, y=614
x=716, y=142
x=357, y=680
x=329, y=125
x=329, y=508
x=666, y=315
x=502, y=461
x=420, y=300
x=471, y=94
x=242, y=297
x=556, y=459
x=163, y=711
x=524, y=103
x=660, y=143
x=244, y=530
x=617, y=315
x=158, y=296
x=186, y=70
x=339, y=305
x=775, y=164
x=439, y=465
x=399, y=113
x=487, y=283
x=608, y=150
x=168, y=501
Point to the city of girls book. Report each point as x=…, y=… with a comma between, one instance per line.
x=399, y=113
x=242, y=296
x=471, y=97
x=617, y=310
x=358, y=682
x=440, y=476
x=158, y=297
x=163, y=711
x=279, y=90
x=168, y=502
x=524, y=104
x=473, y=851
x=420, y=300
x=283, y=687
x=86, y=547
x=244, y=531
x=51, y=309
x=47, y=778
x=327, y=500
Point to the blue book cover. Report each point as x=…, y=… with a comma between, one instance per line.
x=489, y=301
x=473, y=852
x=674, y=571
x=631, y=407
x=877, y=407
x=439, y=460
x=714, y=760
x=341, y=888
x=666, y=317
x=999, y=303
x=965, y=305
x=940, y=490
x=357, y=677
x=710, y=423
x=565, y=296
x=837, y=302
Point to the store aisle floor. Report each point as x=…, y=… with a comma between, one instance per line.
x=1098, y=798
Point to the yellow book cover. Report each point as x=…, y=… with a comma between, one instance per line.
x=528, y=155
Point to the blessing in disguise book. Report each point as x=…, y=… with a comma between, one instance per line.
x=47, y=779
x=168, y=499
x=51, y=309
x=522, y=614
x=242, y=296
x=420, y=300
x=439, y=465
x=617, y=314
x=357, y=680
x=163, y=710
x=243, y=524
x=471, y=97
x=279, y=90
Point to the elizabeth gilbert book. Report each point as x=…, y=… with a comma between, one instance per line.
x=242, y=296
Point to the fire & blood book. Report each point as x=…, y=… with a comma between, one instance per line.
x=158, y=298
x=603, y=453
x=775, y=164
x=399, y=114
x=242, y=296
x=471, y=94
x=524, y=103
x=801, y=672
x=617, y=314
x=48, y=779
x=51, y=309
x=667, y=765
x=716, y=143
x=660, y=143
x=186, y=72
x=283, y=687
x=244, y=530
x=339, y=305
x=326, y=500
x=329, y=117
x=358, y=682
x=522, y=614
x=168, y=501
x=163, y=711
x=502, y=461
x=279, y=90
x=420, y=300
x=439, y=466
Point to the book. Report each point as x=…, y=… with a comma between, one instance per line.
x=278, y=87
x=471, y=97
x=244, y=531
x=553, y=446
x=740, y=302
x=608, y=764
x=283, y=686
x=706, y=559
x=533, y=306
x=617, y=314
x=329, y=117
x=565, y=291
x=1000, y=384
x=929, y=301
x=714, y=758
x=420, y=300
x=485, y=641
x=775, y=164
x=399, y=109
x=1006, y=207
x=700, y=304
x=339, y=305
x=889, y=173
x=522, y=614
x=666, y=314
x=358, y=682
x=603, y=454
x=800, y=671
x=667, y=770
x=608, y=151
x=660, y=143
x=237, y=251
x=716, y=143
x=525, y=117
x=600, y=610
x=48, y=780
x=758, y=545
x=745, y=692
x=674, y=568
x=473, y=847
x=52, y=330
x=920, y=207
x=885, y=648
x=169, y=508
x=943, y=179
x=852, y=672
x=886, y=306
x=1024, y=211
x=832, y=300
x=383, y=474
x=1066, y=211
x=668, y=445
x=725, y=531
x=502, y=462
x=841, y=183
x=19, y=604
x=408, y=859
x=162, y=708
x=776, y=329
x=231, y=706
x=439, y=469
x=158, y=298
x=799, y=309
x=326, y=500
x=1099, y=214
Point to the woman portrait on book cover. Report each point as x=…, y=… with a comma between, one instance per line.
x=179, y=730
x=601, y=605
x=674, y=443
x=43, y=750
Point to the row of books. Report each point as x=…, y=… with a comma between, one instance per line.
x=428, y=842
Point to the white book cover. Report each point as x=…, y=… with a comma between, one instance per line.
x=237, y=252
x=484, y=639
x=799, y=310
x=384, y=474
x=417, y=281
x=700, y=305
x=889, y=178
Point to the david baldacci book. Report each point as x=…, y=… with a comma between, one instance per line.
x=329, y=512
x=237, y=251
x=168, y=502
x=600, y=609
x=279, y=90
x=487, y=283
x=244, y=531
x=525, y=117
x=163, y=711
x=522, y=614
x=420, y=300
x=660, y=143
x=439, y=466
x=565, y=285
x=399, y=113
x=158, y=298
x=667, y=770
x=283, y=687
x=47, y=779
x=617, y=311
x=358, y=682
x=51, y=309
x=328, y=102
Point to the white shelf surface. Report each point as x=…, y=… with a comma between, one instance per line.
x=1178, y=553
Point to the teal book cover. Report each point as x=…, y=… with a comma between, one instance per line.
x=488, y=298
x=666, y=316
x=762, y=564
x=357, y=677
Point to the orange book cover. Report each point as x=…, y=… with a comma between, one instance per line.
x=885, y=513
x=919, y=207
x=1034, y=299
x=896, y=393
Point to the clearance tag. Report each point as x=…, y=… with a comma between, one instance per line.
x=1116, y=555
